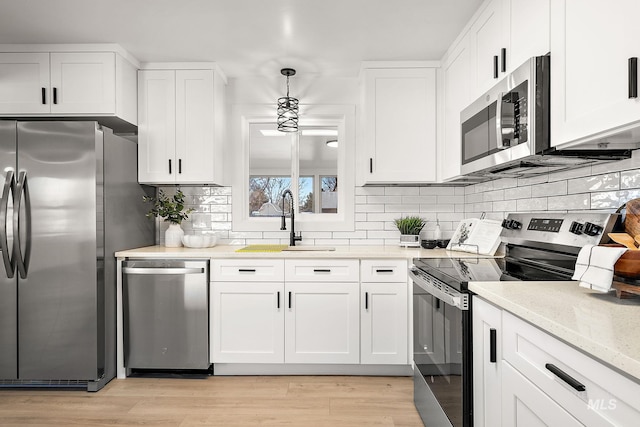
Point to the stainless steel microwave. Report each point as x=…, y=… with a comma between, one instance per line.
x=506, y=131
x=509, y=122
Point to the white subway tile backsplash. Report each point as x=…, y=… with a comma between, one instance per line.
x=369, y=208
x=612, y=199
x=474, y=198
x=436, y=191
x=449, y=199
x=504, y=206
x=421, y=199
x=401, y=191
x=630, y=179
x=220, y=191
x=389, y=216
x=517, y=193
x=609, y=181
x=537, y=179
x=569, y=202
x=549, y=189
x=384, y=199
x=369, y=191
x=360, y=200
x=437, y=208
x=492, y=196
x=383, y=234
x=406, y=209
x=534, y=204
x=503, y=183
x=369, y=225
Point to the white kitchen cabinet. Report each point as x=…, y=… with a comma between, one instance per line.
x=247, y=322
x=384, y=319
x=528, y=36
x=525, y=405
x=322, y=323
x=487, y=364
x=247, y=311
x=399, y=144
x=591, y=45
x=488, y=36
x=457, y=91
x=69, y=84
x=180, y=126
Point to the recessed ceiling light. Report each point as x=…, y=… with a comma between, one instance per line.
x=333, y=143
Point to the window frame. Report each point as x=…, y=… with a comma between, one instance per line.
x=341, y=116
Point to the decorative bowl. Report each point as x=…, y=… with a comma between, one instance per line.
x=199, y=240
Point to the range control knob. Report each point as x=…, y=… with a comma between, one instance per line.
x=576, y=227
x=591, y=229
x=511, y=224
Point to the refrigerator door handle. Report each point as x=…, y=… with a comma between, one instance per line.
x=9, y=259
x=22, y=189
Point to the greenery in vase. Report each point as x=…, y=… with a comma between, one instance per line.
x=170, y=208
x=410, y=224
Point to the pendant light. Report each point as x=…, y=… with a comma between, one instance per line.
x=288, y=107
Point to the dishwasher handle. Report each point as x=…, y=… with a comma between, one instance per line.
x=161, y=270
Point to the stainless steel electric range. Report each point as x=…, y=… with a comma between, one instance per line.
x=538, y=247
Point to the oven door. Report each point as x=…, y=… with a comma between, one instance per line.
x=442, y=354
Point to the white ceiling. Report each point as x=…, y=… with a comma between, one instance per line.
x=247, y=37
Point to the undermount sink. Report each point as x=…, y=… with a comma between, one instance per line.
x=309, y=248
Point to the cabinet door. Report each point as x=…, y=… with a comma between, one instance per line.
x=384, y=323
x=322, y=323
x=24, y=83
x=456, y=97
x=194, y=126
x=400, y=125
x=83, y=83
x=247, y=322
x=156, y=126
x=487, y=377
x=525, y=405
x=591, y=46
x=487, y=36
x=528, y=31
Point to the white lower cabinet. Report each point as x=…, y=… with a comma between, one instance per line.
x=321, y=323
x=525, y=405
x=541, y=380
x=247, y=322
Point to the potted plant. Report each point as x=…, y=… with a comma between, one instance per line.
x=410, y=228
x=171, y=209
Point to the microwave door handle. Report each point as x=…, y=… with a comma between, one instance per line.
x=499, y=140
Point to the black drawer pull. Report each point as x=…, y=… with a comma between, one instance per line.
x=55, y=95
x=384, y=270
x=575, y=384
x=492, y=345
x=366, y=300
x=179, y=165
x=370, y=164
x=495, y=67
x=503, y=54
x=44, y=96
x=322, y=270
x=633, y=77
x=169, y=166
x=246, y=270
x=278, y=300
x=289, y=300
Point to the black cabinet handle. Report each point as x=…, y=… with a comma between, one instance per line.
x=495, y=67
x=384, y=270
x=246, y=270
x=370, y=164
x=321, y=270
x=169, y=166
x=366, y=300
x=289, y=299
x=437, y=303
x=492, y=345
x=503, y=55
x=44, y=96
x=179, y=165
x=575, y=384
x=55, y=95
x=278, y=300
x=633, y=77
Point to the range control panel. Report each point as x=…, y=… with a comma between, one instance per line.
x=566, y=229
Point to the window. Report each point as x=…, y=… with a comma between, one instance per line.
x=309, y=162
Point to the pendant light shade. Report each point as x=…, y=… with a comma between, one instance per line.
x=287, y=107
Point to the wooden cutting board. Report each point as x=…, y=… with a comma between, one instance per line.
x=632, y=218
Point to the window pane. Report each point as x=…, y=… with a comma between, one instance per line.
x=317, y=159
x=265, y=195
x=329, y=194
x=305, y=194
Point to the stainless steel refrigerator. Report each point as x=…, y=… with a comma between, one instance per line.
x=70, y=199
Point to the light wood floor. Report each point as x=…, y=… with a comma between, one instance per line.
x=220, y=401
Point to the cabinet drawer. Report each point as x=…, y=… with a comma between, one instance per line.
x=243, y=270
x=608, y=397
x=383, y=271
x=330, y=270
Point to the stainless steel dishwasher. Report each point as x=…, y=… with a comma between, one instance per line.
x=166, y=314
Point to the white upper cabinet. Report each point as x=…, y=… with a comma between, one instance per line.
x=590, y=75
x=503, y=36
x=399, y=125
x=180, y=126
x=70, y=84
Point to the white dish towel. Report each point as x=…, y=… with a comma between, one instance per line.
x=594, y=266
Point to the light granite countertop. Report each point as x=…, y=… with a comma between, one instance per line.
x=229, y=251
x=600, y=325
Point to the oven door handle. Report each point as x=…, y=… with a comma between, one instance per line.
x=440, y=290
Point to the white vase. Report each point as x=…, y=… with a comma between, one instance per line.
x=173, y=236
